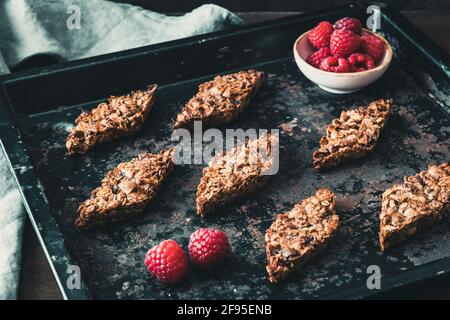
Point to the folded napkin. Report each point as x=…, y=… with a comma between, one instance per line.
x=67, y=30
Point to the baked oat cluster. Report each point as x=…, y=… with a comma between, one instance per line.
x=419, y=202
x=118, y=117
x=234, y=174
x=220, y=100
x=353, y=135
x=126, y=190
x=298, y=235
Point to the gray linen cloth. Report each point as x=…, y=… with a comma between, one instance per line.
x=68, y=30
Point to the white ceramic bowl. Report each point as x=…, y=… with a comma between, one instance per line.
x=339, y=82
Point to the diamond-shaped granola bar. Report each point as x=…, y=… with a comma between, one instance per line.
x=353, y=135
x=126, y=190
x=118, y=117
x=240, y=171
x=220, y=100
x=416, y=204
x=300, y=234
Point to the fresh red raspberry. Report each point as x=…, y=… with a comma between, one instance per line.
x=208, y=247
x=351, y=24
x=343, y=43
x=167, y=261
x=320, y=36
x=316, y=57
x=360, y=62
x=372, y=46
x=335, y=64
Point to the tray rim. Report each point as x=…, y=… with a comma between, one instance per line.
x=7, y=129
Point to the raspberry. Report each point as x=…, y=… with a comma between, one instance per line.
x=320, y=36
x=208, y=247
x=335, y=64
x=372, y=46
x=360, y=62
x=167, y=261
x=343, y=43
x=316, y=57
x=351, y=24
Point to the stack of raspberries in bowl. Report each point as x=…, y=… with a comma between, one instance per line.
x=344, y=47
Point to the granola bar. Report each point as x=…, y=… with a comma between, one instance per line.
x=126, y=190
x=300, y=234
x=118, y=117
x=220, y=100
x=240, y=171
x=353, y=135
x=416, y=204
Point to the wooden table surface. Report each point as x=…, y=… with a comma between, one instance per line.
x=37, y=281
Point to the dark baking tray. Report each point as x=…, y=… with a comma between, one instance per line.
x=37, y=108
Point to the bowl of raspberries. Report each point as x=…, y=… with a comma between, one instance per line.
x=342, y=58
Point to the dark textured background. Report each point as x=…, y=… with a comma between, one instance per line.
x=110, y=259
x=281, y=5
x=432, y=17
